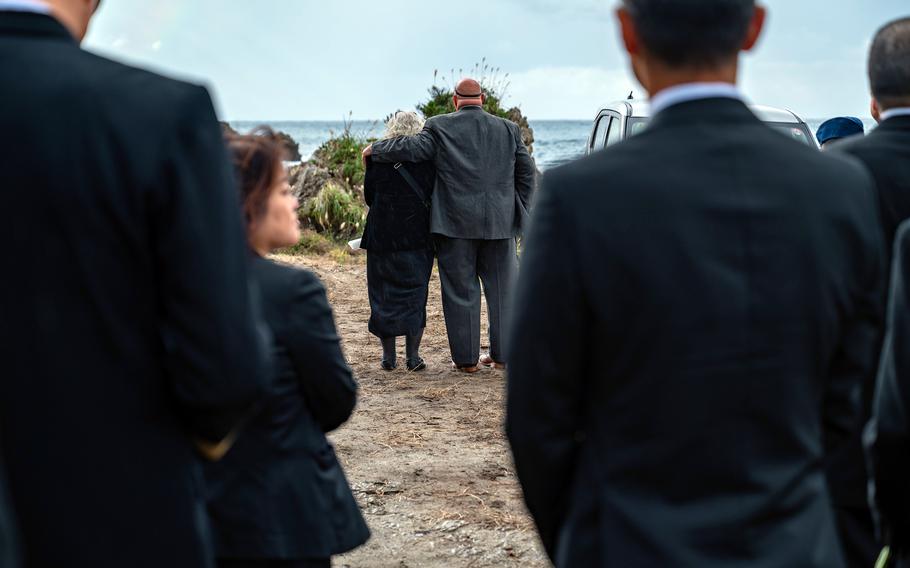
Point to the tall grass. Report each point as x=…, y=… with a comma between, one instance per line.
x=337, y=211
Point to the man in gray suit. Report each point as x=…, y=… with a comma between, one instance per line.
x=484, y=181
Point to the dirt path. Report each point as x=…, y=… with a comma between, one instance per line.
x=425, y=452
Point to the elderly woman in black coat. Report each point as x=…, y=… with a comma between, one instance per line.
x=400, y=249
x=279, y=498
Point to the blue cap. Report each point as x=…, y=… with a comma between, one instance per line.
x=840, y=127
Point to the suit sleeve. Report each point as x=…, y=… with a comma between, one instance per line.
x=315, y=350
x=525, y=172
x=418, y=148
x=851, y=377
x=888, y=435
x=214, y=349
x=547, y=348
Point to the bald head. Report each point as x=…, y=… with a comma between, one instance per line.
x=468, y=92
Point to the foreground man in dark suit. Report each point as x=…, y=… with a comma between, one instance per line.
x=888, y=436
x=127, y=330
x=484, y=181
x=886, y=154
x=697, y=309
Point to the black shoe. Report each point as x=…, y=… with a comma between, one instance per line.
x=416, y=365
x=389, y=366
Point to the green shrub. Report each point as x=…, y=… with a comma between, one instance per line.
x=341, y=155
x=336, y=211
x=493, y=84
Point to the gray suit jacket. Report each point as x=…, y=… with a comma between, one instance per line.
x=484, y=174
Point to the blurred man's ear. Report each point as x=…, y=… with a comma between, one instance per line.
x=876, y=111
x=755, y=27
x=629, y=31
x=632, y=42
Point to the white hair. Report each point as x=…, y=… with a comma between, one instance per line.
x=403, y=123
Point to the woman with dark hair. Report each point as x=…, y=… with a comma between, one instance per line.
x=279, y=497
x=399, y=247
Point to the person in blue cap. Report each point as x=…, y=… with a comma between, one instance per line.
x=838, y=128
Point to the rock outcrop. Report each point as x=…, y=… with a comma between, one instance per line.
x=227, y=130
x=527, y=133
x=290, y=145
x=292, y=148
x=307, y=179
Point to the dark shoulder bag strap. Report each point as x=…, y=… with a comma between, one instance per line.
x=409, y=179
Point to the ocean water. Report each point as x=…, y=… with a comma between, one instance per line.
x=556, y=142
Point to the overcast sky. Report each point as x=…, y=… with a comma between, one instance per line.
x=320, y=59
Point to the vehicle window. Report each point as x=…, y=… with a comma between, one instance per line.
x=636, y=126
x=798, y=132
x=615, y=132
x=600, y=132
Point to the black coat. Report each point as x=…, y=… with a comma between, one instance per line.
x=484, y=173
x=127, y=327
x=398, y=219
x=886, y=153
x=280, y=492
x=888, y=438
x=698, y=308
x=9, y=542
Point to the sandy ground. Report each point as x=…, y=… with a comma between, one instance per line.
x=424, y=452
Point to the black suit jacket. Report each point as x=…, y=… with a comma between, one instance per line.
x=9, y=544
x=280, y=492
x=697, y=310
x=484, y=174
x=886, y=153
x=398, y=219
x=127, y=327
x=888, y=437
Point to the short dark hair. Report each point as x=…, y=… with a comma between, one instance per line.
x=701, y=33
x=889, y=64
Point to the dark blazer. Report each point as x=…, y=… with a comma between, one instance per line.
x=398, y=219
x=888, y=437
x=697, y=310
x=886, y=153
x=127, y=323
x=280, y=492
x=484, y=174
x=9, y=543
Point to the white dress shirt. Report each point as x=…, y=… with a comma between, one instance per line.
x=693, y=92
x=892, y=112
x=36, y=6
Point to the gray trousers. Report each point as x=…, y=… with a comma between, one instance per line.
x=461, y=262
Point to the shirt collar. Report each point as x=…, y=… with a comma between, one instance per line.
x=692, y=92
x=892, y=112
x=36, y=6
